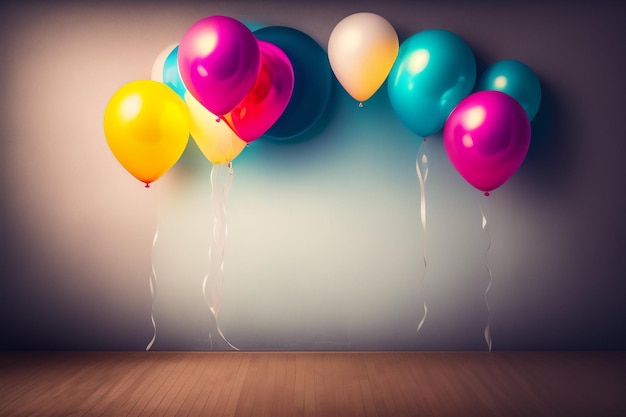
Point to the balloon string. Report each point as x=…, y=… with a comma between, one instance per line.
x=213, y=281
x=486, y=229
x=421, y=166
x=153, y=291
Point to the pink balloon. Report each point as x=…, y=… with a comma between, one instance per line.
x=219, y=61
x=267, y=99
x=486, y=137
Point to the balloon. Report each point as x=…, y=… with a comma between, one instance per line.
x=219, y=61
x=486, y=138
x=361, y=49
x=434, y=71
x=267, y=99
x=217, y=142
x=171, y=75
x=312, y=81
x=159, y=62
x=515, y=79
x=147, y=128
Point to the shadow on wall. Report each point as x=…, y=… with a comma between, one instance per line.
x=546, y=163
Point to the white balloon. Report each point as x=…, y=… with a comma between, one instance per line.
x=362, y=49
x=159, y=63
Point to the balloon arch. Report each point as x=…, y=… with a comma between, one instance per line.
x=224, y=86
x=275, y=82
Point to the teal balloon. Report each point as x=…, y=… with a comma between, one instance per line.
x=516, y=79
x=312, y=81
x=171, y=75
x=435, y=69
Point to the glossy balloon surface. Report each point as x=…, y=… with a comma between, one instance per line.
x=267, y=99
x=146, y=125
x=216, y=140
x=171, y=75
x=219, y=61
x=516, y=79
x=434, y=71
x=486, y=138
x=362, y=49
x=312, y=81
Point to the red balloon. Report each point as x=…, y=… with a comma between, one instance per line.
x=267, y=99
x=486, y=137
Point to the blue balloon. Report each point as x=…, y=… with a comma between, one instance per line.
x=435, y=69
x=171, y=75
x=312, y=81
x=515, y=79
x=253, y=25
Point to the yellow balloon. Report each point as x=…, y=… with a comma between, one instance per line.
x=217, y=142
x=146, y=125
x=362, y=48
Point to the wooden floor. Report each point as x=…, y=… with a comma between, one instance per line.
x=321, y=384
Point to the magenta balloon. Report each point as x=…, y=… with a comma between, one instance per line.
x=219, y=60
x=486, y=137
x=267, y=99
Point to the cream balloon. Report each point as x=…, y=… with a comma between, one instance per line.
x=159, y=62
x=217, y=142
x=362, y=49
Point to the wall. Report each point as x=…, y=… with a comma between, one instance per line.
x=325, y=244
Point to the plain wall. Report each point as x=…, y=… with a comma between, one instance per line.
x=325, y=245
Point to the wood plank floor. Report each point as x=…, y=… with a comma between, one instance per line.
x=321, y=384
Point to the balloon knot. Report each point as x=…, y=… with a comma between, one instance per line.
x=218, y=119
x=147, y=185
x=425, y=139
x=360, y=104
x=486, y=193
